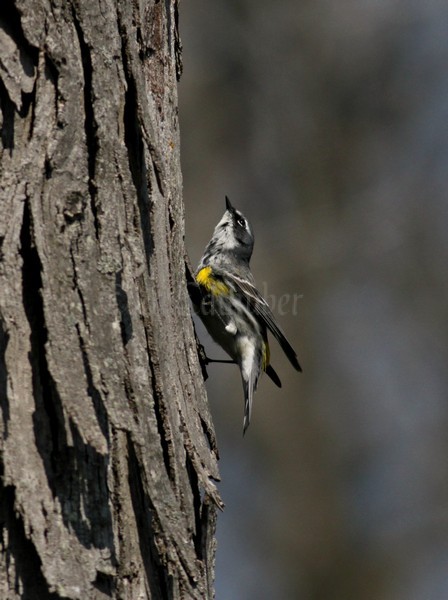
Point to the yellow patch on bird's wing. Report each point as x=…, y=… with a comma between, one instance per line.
x=266, y=356
x=215, y=286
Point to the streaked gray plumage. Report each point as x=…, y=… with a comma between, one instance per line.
x=233, y=311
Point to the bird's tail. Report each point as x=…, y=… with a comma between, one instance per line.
x=248, y=398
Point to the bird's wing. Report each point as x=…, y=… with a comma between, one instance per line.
x=273, y=375
x=255, y=300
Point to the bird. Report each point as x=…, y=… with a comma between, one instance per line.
x=232, y=309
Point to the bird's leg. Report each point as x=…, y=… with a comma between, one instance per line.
x=206, y=360
x=219, y=360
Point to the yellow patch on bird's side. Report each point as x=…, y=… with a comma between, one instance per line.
x=211, y=284
x=266, y=356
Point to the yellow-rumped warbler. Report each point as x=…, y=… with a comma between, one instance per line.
x=232, y=309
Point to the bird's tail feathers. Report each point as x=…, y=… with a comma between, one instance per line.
x=249, y=388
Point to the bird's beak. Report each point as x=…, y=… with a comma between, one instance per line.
x=228, y=205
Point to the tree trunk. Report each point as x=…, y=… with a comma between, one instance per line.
x=108, y=450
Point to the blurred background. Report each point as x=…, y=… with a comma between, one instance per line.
x=326, y=123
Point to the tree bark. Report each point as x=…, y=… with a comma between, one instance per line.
x=107, y=447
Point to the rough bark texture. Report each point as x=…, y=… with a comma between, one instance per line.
x=107, y=447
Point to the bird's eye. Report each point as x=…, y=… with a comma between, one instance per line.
x=241, y=222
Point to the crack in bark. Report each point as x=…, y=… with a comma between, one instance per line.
x=21, y=555
x=168, y=23
x=12, y=24
x=4, y=402
x=28, y=55
x=78, y=290
x=51, y=72
x=210, y=437
x=7, y=129
x=148, y=531
x=197, y=503
x=133, y=138
x=177, y=43
x=90, y=126
x=164, y=433
x=123, y=306
x=148, y=53
x=104, y=583
x=44, y=389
